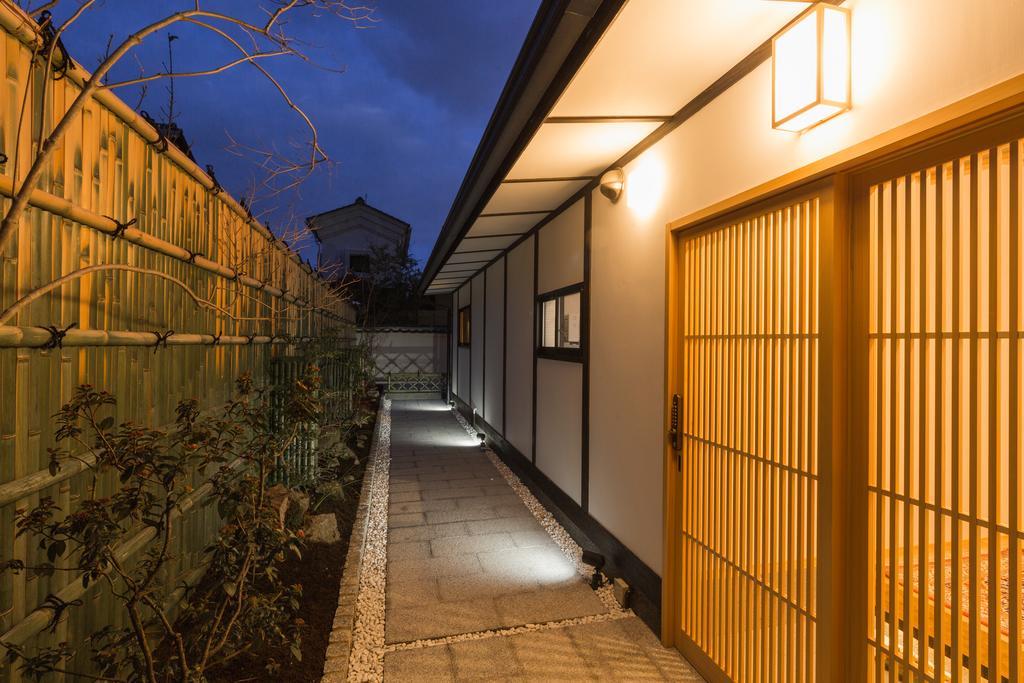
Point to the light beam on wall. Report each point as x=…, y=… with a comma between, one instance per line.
x=811, y=68
x=644, y=186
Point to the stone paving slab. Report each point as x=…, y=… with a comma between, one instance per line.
x=477, y=588
x=621, y=650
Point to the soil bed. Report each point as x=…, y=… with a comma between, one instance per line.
x=319, y=572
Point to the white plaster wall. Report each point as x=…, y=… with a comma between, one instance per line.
x=519, y=359
x=478, y=314
x=495, y=302
x=910, y=57
x=559, y=423
x=453, y=343
x=560, y=261
x=463, y=352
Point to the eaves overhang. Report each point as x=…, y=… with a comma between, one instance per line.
x=563, y=33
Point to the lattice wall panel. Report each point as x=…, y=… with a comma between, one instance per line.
x=750, y=342
x=944, y=494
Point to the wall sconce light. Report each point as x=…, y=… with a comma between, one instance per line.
x=811, y=68
x=612, y=183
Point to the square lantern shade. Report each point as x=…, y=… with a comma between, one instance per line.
x=811, y=68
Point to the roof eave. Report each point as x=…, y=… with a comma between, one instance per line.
x=562, y=35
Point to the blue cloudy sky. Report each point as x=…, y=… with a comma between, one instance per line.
x=401, y=119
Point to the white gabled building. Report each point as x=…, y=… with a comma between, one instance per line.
x=346, y=235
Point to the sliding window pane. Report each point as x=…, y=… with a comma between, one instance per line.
x=549, y=320
x=569, y=330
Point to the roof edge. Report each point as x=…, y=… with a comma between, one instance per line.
x=562, y=35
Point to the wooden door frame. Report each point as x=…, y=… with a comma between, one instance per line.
x=987, y=107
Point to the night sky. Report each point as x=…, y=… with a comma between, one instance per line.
x=402, y=119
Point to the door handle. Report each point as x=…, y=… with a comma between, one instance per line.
x=675, y=438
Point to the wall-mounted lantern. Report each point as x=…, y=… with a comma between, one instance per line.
x=811, y=68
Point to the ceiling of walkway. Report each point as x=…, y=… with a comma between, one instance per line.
x=654, y=58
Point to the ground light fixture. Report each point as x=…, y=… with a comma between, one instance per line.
x=595, y=560
x=811, y=68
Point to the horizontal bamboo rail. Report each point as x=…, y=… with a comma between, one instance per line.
x=37, y=620
x=64, y=208
x=42, y=337
x=21, y=26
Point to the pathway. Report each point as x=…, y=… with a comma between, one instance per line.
x=478, y=588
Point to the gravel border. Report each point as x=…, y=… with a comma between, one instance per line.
x=358, y=632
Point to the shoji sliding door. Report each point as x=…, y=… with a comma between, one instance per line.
x=939, y=261
x=749, y=343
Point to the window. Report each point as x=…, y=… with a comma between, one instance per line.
x=359, y=263
x=464, y=326
x=561, y=324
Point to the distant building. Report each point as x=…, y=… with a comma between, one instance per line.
x=346, y=235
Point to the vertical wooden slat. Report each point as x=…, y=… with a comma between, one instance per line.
x=1016, y=608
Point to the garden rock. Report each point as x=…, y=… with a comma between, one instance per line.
x=291, y=505
x=323, y=529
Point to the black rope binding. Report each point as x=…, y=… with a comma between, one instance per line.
x=161, y=142
x=252, y=338
x=161, y=339
x=57, y=336
x=49, y=35
x=192, y=255
x=3, y=158
x=121, y=227
x=216, y=338
x=216, y=189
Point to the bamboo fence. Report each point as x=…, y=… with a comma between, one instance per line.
x=109, y=170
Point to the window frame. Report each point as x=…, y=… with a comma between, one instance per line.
x=360, y=255
x=464, y=323
x=569, y=354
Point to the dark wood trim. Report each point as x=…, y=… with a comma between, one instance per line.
x=588, y=210
x=553, y=353
x=483, y=352
x=500, y=214
x=500, y=234
x=452, y=314
x=565, y=179
x=561, y=291
x=500, y=250
x=504, y=347
x=536, y=261
x=584, y=529
x=607, y=119
x=469, y=313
